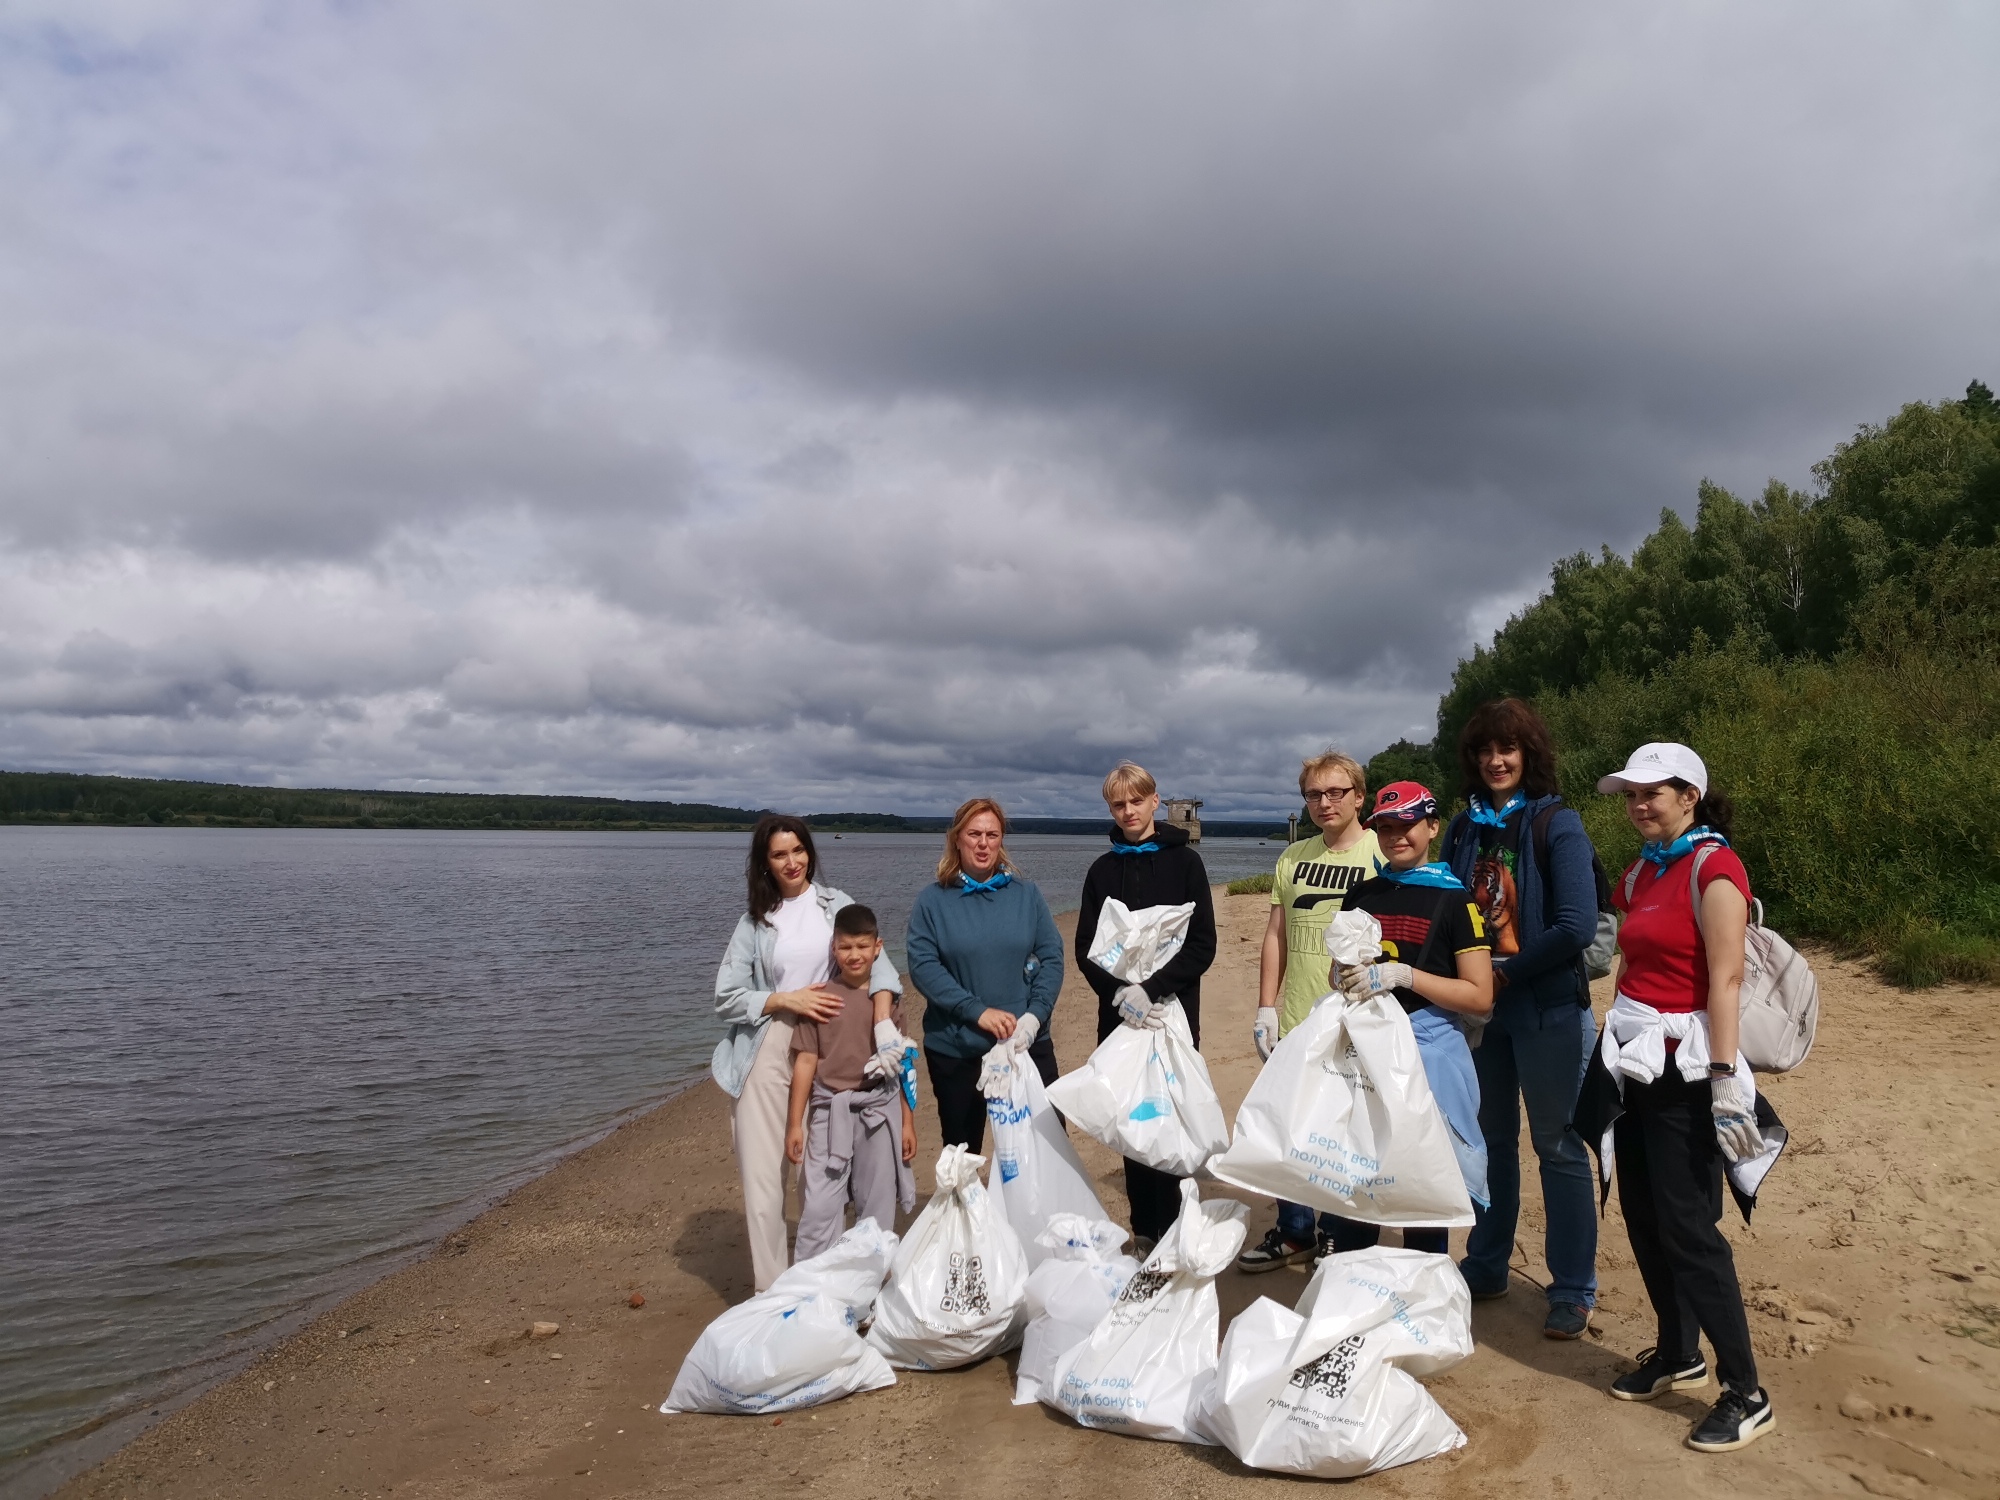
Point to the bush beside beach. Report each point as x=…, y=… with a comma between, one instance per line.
x=1834, y=656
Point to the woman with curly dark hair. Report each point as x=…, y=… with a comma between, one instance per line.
x=1532, y=873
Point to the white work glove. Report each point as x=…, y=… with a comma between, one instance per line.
x=1264, y=1031
x=996, y=1070
x=1733, y=1102
x=1025, y=1031
x=890, y=1045
x=1359, y=982
x=1135, y=1007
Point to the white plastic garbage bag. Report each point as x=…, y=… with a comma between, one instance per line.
x=1152, y=1355
x=1145, y=1093
x=794, y=1344
x=1135, y=945
x=957, y=1290
x=1067, y=1294
x=849, y=1272
x=1330, y=1389
x=1035, y=1173
x=1353, y=940
x=1341, y=1118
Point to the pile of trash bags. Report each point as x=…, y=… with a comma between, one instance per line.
x=1340, y=1118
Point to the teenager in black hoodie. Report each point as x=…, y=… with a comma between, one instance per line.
x=1150, y=864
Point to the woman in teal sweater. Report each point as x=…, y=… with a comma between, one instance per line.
x=985, y=952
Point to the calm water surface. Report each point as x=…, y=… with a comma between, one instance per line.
x=242, y=1070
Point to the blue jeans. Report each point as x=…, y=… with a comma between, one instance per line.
x=1295, y=1222
x=1537, y=1054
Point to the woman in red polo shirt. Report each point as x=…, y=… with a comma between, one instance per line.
x=1689, y=1103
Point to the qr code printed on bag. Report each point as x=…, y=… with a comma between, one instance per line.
x=1144, y=1286
x=965, y=1287
x=1333, y=1371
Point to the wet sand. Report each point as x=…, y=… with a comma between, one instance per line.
x=1873, y=1274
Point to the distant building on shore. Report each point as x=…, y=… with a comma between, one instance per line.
x=1185, y=813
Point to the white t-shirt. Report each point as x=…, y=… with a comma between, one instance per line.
x=803, y=954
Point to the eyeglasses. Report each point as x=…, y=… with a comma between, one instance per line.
x=1330, y=794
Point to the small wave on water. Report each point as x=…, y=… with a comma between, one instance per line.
x=247, y=1071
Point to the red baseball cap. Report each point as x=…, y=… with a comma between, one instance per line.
x=1404, y=802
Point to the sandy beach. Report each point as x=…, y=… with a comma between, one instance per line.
x=1872, y=1272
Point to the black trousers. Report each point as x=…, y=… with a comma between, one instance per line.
x=1670, y=1188
x=1155, y=1196
x=961, y=1107
x=1350, y=1234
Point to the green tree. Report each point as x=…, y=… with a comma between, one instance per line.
x=1408, y=761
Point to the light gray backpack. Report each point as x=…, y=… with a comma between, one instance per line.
x=1779, y=1004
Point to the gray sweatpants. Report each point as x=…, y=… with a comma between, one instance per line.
x=854, y=1154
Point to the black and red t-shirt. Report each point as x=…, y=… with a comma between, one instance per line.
x=1424, y=926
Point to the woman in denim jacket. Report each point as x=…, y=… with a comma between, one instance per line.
x=779, y=953
x=1539, y=1039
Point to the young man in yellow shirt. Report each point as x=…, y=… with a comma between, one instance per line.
x=1312, y=878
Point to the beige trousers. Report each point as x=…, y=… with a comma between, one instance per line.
x=757, y=1128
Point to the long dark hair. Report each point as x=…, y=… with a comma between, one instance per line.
x=1509, y=722
x=1713, y=811
x=764, y=893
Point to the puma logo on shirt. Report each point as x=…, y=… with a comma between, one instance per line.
x=1329, y=882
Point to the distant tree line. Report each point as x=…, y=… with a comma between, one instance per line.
x=1833, y=654
x=62, y=797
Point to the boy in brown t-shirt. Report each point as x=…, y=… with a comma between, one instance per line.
x=841, y=1124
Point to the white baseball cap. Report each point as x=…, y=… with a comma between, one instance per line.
x=1662, y=760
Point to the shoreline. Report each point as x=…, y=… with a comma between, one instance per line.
x=1873, y=1239
x=44, y=1469
x=99, y=1416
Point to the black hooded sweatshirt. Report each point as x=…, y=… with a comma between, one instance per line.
x=1171, y=876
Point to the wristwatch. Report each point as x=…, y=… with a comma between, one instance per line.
x=1721, y=1070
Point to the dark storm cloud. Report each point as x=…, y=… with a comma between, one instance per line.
x=1525, y=273
x=844, y=406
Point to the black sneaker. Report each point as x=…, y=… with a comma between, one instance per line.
x=1271, y=1253
x=1566, y=1320
x=1736, y=1421
x=1656, y=1376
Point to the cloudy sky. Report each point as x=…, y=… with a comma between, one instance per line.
x=862, y=405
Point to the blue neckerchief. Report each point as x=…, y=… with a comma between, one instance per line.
x=1662, y=855
x=1149, y=847
x=1481, y=811
x=1438, y=874
x=968, y=884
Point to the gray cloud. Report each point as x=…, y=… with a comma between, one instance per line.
x=849, y=407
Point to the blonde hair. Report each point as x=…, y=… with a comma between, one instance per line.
x=1129, y=776
x=948, y=867
x=1333, y=760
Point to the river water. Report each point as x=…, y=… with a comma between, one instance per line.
x=245, y=1070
